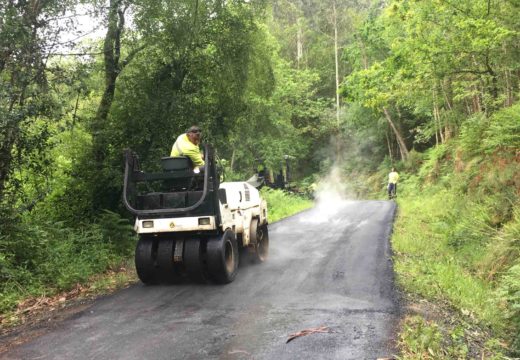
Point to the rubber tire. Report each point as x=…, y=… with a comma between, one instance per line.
x=168, y=271
x=193, y=260
x=145, y=253
x=223, y=258
x=253, y=231
x=261, y=247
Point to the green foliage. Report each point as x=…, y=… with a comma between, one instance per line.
x=431, y=168
x=439, y=65
x=471, y=133
x=421, y=338
x=458, y=229
x=504, y=130
x=500, y=132
x=27, y=103
x=281, y=204
x=226, y=75
x=118, y=232
x=457, y=232
x=414, y=162
x=444, y=336
x=433, y=267
x=504, y=249
x=439, y=246
x=510, y=292
x=44, y=257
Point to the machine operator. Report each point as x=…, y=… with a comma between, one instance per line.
x=187, y=144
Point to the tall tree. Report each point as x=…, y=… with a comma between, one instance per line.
x=113, y=66
x=28, y=34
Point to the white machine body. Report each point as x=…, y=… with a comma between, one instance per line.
x=243, y=203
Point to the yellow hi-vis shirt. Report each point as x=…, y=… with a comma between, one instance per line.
x=184, y=147
x=393, y=177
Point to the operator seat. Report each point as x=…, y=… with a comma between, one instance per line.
x=183, y=167
x=176, y=163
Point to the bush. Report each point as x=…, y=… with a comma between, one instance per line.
x=457, y=236
x=38, y=258
x=510, y=291
x=503, y=131
x=282, y=204
x=414, y=162
x=471, y=134
x=421, y=337
x=504, y=248
x=431, y=168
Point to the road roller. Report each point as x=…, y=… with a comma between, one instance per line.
x=190, y=225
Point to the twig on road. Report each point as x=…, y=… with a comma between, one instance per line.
x=321, y=329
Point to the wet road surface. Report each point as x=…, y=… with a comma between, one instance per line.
x=328, y=266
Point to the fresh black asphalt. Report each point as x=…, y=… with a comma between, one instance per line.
x=329, y=266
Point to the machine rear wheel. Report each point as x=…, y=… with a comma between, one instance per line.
x=262, y=244
x=259, y=241
x=145, y=260
x=223, y=258
x=194, y=259
x=168, y=270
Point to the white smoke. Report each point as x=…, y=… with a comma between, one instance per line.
x=332, y=194
x=334, y=188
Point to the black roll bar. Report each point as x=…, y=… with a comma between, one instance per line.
x=129, y=156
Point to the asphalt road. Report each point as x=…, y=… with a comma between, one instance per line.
x=329, y=266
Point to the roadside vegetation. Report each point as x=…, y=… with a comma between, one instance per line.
x=456, y=242
x=45, y=259
x=282, y=204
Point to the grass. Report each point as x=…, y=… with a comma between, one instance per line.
x=281, y=204
x=457, y=242
x=444, y=338
x=428, y=264
x=441, y=243
x=43, y=259
x=33, y=306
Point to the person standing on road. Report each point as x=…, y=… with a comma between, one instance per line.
x=187, y=144
x=392, y=183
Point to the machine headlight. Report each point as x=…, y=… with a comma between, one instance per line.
x=204, y=221
x=147, y=224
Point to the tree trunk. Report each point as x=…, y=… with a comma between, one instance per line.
x=102, y=195
x=509, y=90
x=437, y=117
x=402, y=146
x=447, y=94
x=111, y=52
x=389, y=147
x=494, y=79
x=435, y=123
x=232, y=165
x=468, y=107
x=364, y=56
x=336, y=62
x=299, y=44
x=476, y=101
x=6, y=156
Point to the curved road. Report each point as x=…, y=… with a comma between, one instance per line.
x=328, y=266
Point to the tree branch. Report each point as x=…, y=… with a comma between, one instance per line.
x=131, y=55
x=77, y=54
